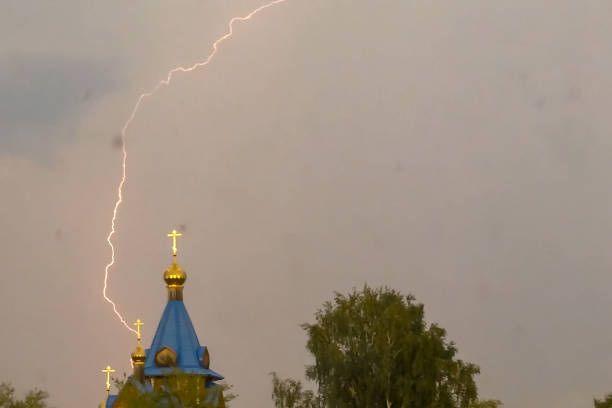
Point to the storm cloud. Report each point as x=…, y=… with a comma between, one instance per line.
x=458, y=151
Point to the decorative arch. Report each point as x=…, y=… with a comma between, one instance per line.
x=166, y=357
x=206, y=359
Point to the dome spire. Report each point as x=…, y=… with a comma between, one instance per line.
x=175, y=277
x=108, y=370
x=138, y=324
x=174, y=235
x=138, y=356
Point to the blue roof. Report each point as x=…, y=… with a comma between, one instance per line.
x=110, y=400
x=176, y=331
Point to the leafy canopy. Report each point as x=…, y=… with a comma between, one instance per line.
x=178, y=390
x=33, y=399
x=605, y=403
x=373, y=348
x=486, y=404
x=290, y=393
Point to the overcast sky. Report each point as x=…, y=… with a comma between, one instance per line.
x=460, y=151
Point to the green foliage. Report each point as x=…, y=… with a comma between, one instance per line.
x=289, y=393
x=374, y=349
x=605, y=403
x=33, y=399
x=486, y=404
x=175, y=391
x=228, y=394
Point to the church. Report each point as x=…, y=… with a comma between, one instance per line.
x=175, y=355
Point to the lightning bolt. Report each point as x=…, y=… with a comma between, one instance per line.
x=141, y=98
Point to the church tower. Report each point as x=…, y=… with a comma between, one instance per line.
x=175, y=353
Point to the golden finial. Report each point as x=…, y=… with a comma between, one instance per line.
x=174, y=235
x=174, y=276
x=138, y=356
x=138, y=324
x=108, y=370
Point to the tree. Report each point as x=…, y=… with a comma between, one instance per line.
x=605, y=403
x=486, y=404
x=290, y=393
x=373, y=349
x=178, y=390
x=34, y=398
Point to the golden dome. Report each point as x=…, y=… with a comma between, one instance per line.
x=139, y=355
x=175, y=276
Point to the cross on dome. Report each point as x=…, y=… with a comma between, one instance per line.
x=138, y=324
x=174, y=235
x=108, y=370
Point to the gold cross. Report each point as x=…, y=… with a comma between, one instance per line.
x=108, y=370
x=138, y=324
x=174, y=235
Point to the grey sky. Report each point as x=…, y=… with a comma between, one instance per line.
x=459, y=151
